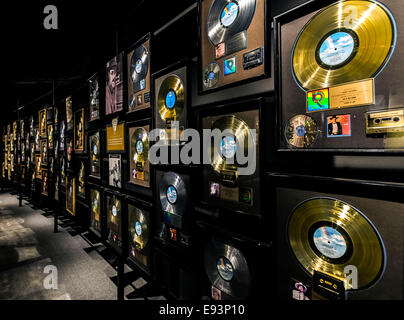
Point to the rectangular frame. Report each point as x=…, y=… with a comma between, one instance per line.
x=79, y=133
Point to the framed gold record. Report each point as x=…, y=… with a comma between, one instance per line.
x=79, y=131
x=42, y=123
x=139, y=155
x=171, y=98
x=71, y=195
x=38, y=168
x=95, y=213
x=113, y=204
x=44, y=152
x=171, y=102
x=327, y=235
x=44, y=182
x=50, y=136
x=138, y=231
x=339, y=58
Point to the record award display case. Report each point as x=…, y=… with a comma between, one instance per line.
x=231, y=180
x=95, y=154
x=139, y=146
x=337, y=77
x=233, y=42
x=97, y=211
x=139, y=75
x=115, y=220
x=334, y=243
x=173, y=207
x=171, y=101
x=140, y=233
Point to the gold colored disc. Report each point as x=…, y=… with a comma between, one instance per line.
x=327, y=234
x=95, y=195
x=139, y=145
x=346, y=41
x=138, y=229
x=171, y=100
x=223, y=154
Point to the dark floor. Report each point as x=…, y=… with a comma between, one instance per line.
x=28, y=244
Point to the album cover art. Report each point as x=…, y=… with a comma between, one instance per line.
x=114, y=85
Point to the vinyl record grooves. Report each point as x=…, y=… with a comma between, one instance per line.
x=334, y=48
x=227, y=18
x=95, y=195
x=138, y=230
x=237, y=130
x=211, y=75
x=95, y=146
x=115, y=211
x=139, y=65
x=327, y=234
x=173, y=193
x=227, y=269
x=301, y=131
x=171, y=100
x=139, y=145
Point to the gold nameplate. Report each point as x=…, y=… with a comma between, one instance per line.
x=385, y=121
x=354, y=94
x=348, y=95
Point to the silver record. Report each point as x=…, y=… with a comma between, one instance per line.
x=236, y=282
x=171, y=179
x=138, y=72
x=217, y=28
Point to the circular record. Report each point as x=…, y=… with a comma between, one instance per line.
x=328, y=234
x=138, y=230
x=234, y=132
x=227, y=18
x=139, y=145
x=115, y=211
x=301, y=131
x=227, y=269
x=211, y=75
x=346, y=41
x=173, y=194
x=171, y=98
x=139, y=65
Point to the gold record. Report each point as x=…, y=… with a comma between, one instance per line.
x=139, y=145
x=238, y=131
x=346, y=41
x=170, y=99
x=114, y=214
x=327, y=234
x=138, y=230
x=95, y=195
x=301, y=131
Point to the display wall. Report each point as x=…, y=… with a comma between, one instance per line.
x=312, y=91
